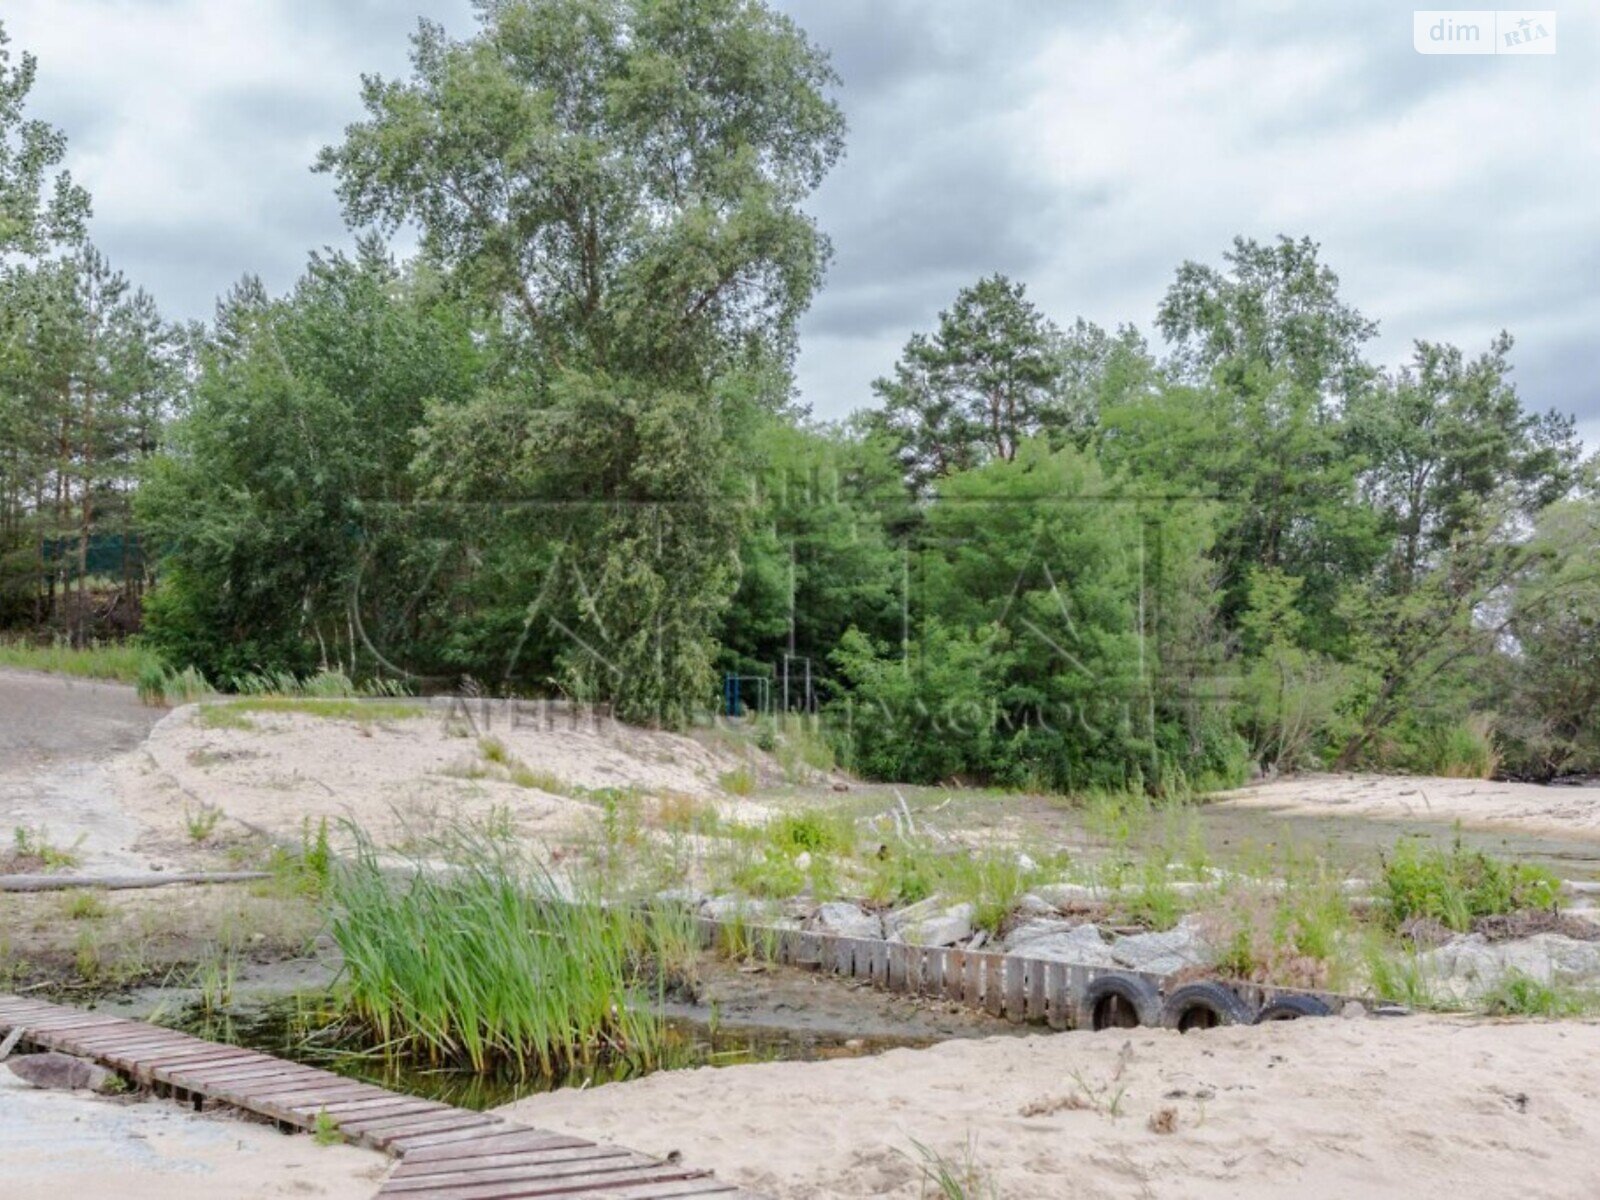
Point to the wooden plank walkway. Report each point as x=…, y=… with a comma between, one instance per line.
x=445, y=1153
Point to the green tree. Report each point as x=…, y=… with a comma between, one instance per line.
x=624, y=176
x=994, y=372
x=1442, y=439
x=1549, y=693
x=40, y=206
x=290, y=473
x=620, y=181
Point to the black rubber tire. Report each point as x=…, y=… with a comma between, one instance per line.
x=1292, y=1008
x=1205, y=1006
x=1118, y=1001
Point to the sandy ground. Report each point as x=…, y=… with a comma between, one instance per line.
x=1414, y=1107
x=1479, y=803
x=58, y=1144
x=57, y=737
x=406, y=778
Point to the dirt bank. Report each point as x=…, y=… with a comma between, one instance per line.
x=1478, y=803
x=1414, y=1107
x=57, y=738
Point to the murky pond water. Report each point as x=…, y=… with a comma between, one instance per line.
x=280, y=1027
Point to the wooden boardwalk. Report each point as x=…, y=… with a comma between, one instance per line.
x=445, y=1153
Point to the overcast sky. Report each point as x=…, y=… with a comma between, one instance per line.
x=1085, y=148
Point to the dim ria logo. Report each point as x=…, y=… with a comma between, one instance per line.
x=1485, y=31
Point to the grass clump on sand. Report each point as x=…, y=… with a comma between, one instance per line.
x=1458, y=887
x=346, y=709
x=496, y=965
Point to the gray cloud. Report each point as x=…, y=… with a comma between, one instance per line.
x=1084, y=149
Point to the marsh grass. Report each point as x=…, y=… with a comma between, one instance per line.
x=496, y=964
x=118, y=662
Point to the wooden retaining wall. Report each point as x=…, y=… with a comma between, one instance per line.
x=1014, y=986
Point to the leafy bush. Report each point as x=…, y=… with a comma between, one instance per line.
x=1458, y=887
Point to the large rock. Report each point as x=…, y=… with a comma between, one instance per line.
x=846, y=920
x=1061, y=941
x=62, y=1073
x=1163, y=953
x=1465, y=968
x=931, y=923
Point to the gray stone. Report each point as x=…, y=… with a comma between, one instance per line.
x=62, y=1073
x=737, y=908
x=846, y=920
x=1033, y=905
x=1465, y=968
x=931, y=923
x=1067, y=895
x=1163, y=953
x=687, y=896
x=1061, y=941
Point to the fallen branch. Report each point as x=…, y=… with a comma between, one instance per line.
x=117, y=883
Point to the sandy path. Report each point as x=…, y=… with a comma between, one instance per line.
x=75, y=1145
x=1415, y=1107
x=57, y=739
x=1484, y=804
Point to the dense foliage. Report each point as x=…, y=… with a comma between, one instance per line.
x=557, y=453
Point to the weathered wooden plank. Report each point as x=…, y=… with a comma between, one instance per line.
x=518, y=1173
x=379, y=1137
x=439, y=1146
x=994, y=984
x=1057, y=996
x=1036, y=994
x=562, y=1184
x=899, y=980
x=955, y=974
x=972, y=980
x=488, y=1162
x=879, y=952
x=1016, y=993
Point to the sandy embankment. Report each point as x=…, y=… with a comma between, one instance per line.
x=1480, y=803
x=402, y=778
x=59, y=1145
x=1415, y=1107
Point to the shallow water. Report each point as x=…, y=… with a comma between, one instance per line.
x=1355, y=843
x=279, y=1027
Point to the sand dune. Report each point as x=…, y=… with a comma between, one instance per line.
x=1415, y=1107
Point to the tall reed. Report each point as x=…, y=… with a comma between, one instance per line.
x=495, y=964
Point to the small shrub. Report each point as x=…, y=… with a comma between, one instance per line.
x=32, y=850
x=1520, y=995
x=741, y=781
x=494, y=750
x=528, y=777
x=201, y=823
x=811, y=831
x=85, y=905
x=325, y=1132
x=1458, y=887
